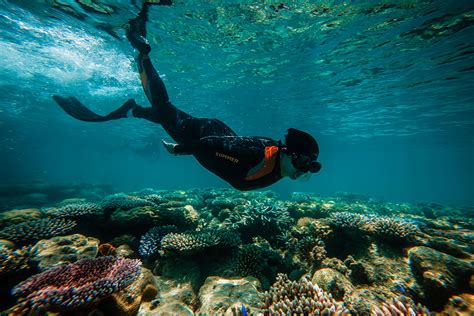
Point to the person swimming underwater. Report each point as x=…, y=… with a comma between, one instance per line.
x=246, y=163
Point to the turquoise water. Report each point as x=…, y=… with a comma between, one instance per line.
x=385, y=87
x=99, y=219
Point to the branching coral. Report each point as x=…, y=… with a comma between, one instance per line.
x=150, y=243
x=348, y=220
x=287, y=297
x=400, y=306
x=381, y=226
x=199, y=240
x=124, y=202
x=388, y=227
x=29, y=232
x=77, y=210
x=68, y=287
x=264, y=217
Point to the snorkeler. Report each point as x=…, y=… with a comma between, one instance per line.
x=245, y=162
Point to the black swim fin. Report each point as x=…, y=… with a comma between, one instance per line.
x=76, y=109
x=158, y=2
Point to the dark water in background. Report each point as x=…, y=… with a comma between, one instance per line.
x=386, y=88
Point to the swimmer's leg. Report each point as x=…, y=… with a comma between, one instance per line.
x=76, y=109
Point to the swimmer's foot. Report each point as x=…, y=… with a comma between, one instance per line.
x=76, y=109
x=136, y=32
x=157, y=2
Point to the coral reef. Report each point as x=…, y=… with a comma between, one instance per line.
x=196, y=241
x=302, y=297
x=218, y=250
x=13, y=260
x=76, y=210
x=218, y=296
x=48, y=253
x=400, y=306
x=29, y=232
x=124, y=202
x=438, y=276
x=263, y=217
x=68, y=287
x=380, y=226
x=127, y=301
x=150, y=243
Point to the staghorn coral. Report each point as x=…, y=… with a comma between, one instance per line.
x=68, y=287
x=392, y=228
x=124, y=202
x=287, y=297
x=29, y=232
x=199, y=240
x=13, y=260
x=150, y=243
x=348, y=220
x=76, y=210
x=400, y=306
x=263, y=217
x=380, y=226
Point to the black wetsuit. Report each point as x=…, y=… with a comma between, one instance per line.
x=215, y=145
x=245, y=162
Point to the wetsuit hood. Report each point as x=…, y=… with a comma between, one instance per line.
x=304, y=150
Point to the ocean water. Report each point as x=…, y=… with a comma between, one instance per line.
x=386, y=88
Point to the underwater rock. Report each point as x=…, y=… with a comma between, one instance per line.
x=125, y=251
x=65, y=249
x=29, y=232
x=333, y=282
x=360, y=271
x=438, y=275
x=460, y=305
x=196, y=241
x=173, y=299
x=335, y=264
x=180, y=270
x=75, y=285
x=126, y=239
x=13, y=260
x=19, y=216
x=218, y=295
x=140, y=218
x=290, y=297
x=127, y=301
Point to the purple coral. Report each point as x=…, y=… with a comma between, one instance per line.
x=71, y=286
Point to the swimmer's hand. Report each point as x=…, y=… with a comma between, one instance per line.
x=169, y=146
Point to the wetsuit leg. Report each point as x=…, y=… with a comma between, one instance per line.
x=181, y=126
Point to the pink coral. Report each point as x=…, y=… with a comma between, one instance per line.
x=68, y=287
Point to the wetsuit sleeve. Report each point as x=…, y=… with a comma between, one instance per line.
x=186, y=149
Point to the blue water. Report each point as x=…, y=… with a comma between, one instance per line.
x=387, y=89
